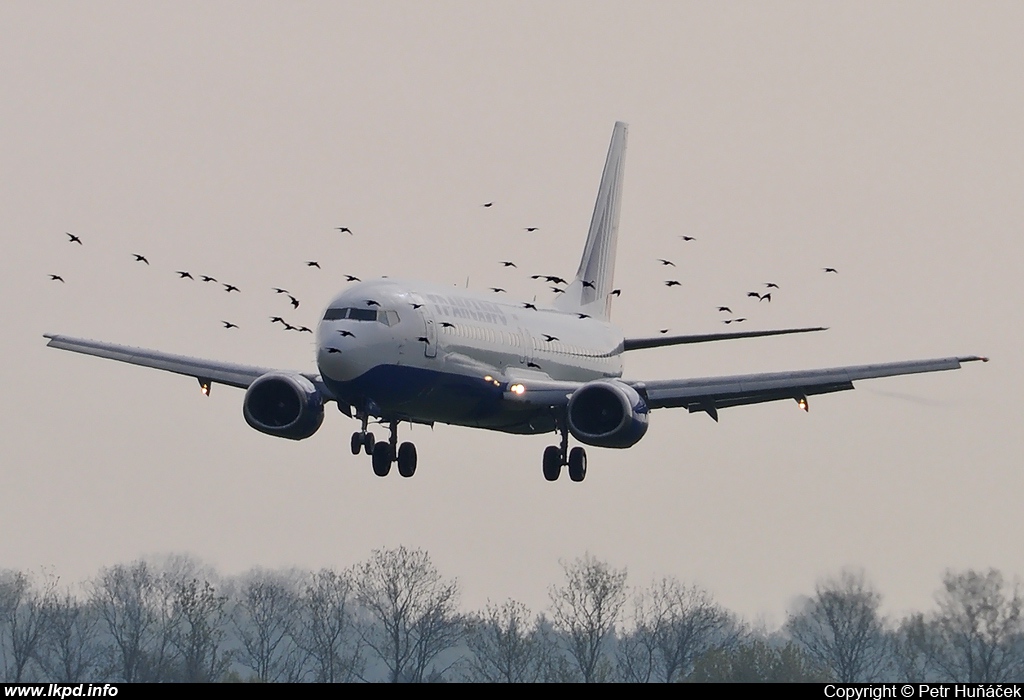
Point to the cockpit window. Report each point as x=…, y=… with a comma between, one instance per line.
x=388, y=318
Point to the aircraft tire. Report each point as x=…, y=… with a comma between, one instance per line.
x=381, y=458
x=552, y=462
x=407, y=459
x=368, y=442
x=357, y=443
x=578, y=464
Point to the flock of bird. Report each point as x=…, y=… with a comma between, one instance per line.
x=556, y=284
x=228, y=288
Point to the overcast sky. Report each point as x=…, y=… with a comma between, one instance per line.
x=229, y=139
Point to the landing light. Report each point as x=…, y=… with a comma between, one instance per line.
x=517, y=389
x=204, y=388
x=802, y=403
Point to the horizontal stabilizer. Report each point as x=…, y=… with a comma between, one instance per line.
x=663, y=340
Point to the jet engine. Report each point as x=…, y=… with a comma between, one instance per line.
x=283, y=404
x=607, y=413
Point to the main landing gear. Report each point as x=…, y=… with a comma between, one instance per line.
x=385, y=453
x=557, y=456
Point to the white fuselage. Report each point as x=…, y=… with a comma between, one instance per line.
x=426, y=353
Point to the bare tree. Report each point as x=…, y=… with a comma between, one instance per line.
x=585, y=609
x=135, y=606
x=325, y=628
x=413, y=609
x=200, y=618
x=506, y=645
x=841, y=630
x=981, y=628
x=23, y=620
x=70, y=649
x=265, y=612
x=674, y=625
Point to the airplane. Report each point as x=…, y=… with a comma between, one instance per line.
x=393, y=351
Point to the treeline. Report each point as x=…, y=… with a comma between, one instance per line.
x=394, y=617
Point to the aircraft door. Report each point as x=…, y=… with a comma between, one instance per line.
x=525, y=346
x=430, y=328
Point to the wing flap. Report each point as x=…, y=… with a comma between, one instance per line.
x=708, y=394
x=228, y=373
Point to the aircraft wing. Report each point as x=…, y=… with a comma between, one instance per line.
x=712, y=393
x=206, y=371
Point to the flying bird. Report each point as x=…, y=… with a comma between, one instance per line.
x=534, y=365
x=557, y=290
x=830, y=269
x=688, y=238
x=313, y=263
x=771, y=285
x=288, y=326
x=352, y=278
x=488, y=205
x=767, y=297
x=416, y=306
x=497, y=289
x=333, y=351
x=589, y=283
x=528, y=305
x=531, y=229
x=231, y=288
x=72, y=238
x=371, y=302
x=663, y=261
x=549, y=338
x=184, y=275
x=294, y=301
x=725, y=308
x=276, y=319
x=278, y=290
x=57, y=278
x=508, y=263
x=445, y=324
x=207, y=278
x=583, y=315
x=663, y=330
x=140, y=258
x=423, y=339
x=305, y=329
x=343, y=229
x=756, y=295
x=673, y=283
x=615, y=293
x=346, y=334
x=229, y=324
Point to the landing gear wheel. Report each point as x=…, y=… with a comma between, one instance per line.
x=357, y=443
x=552, y=462
x=368, y=443
x=578, y=464
x=381, y=458
x=407, y=459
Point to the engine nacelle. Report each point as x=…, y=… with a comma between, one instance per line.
x=285, y=405
x=607, y=413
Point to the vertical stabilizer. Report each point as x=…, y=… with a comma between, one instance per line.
x=590, y=292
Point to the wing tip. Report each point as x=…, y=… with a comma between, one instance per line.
x=974, y=358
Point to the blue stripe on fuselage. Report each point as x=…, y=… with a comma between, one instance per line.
x=428, y=396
